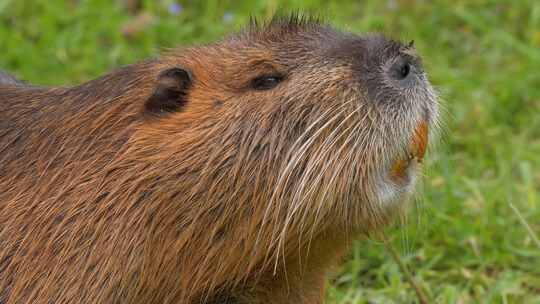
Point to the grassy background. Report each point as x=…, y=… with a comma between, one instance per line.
x=463, y=242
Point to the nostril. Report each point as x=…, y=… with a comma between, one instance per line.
x=400, y=70
x=404, y=71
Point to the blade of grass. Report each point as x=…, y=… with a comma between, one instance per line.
x=422, y=298
x=525, y=224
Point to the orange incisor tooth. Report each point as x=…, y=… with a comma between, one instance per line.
x=417, y=148
x=398, y=169
x=420, y=141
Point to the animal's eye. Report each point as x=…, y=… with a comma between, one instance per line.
x=266, y=82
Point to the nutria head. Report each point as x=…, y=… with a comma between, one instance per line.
x=191, y=174
x=307, y=125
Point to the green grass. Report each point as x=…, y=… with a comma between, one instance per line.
x=463, y=243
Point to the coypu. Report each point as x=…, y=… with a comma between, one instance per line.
x=236, y=172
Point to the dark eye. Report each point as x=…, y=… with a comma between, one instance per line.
x=266, y=82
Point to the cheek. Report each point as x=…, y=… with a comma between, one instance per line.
x=218, y=104
x=205, y=100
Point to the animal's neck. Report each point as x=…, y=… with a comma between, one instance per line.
x=298, y=277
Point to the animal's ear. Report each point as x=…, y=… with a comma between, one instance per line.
x=170, y=92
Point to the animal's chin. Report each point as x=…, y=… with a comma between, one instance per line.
x=400, y=179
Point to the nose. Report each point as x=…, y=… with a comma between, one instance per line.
x=400, y=70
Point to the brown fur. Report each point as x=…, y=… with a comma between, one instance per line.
x=221, y=201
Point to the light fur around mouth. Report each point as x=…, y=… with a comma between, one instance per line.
x=416, y=152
